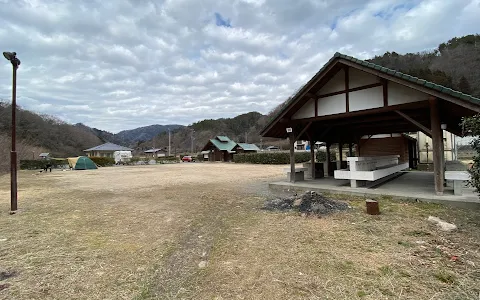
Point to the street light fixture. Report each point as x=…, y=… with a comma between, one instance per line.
x=12, y=57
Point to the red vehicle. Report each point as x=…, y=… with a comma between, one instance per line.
x=188, y=158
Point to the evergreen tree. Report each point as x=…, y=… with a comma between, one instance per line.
x=464, y=86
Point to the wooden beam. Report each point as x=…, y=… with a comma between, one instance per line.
x=413, y=105
x=324, y=133
x=298, y=96
x=466, y=104
x=303, y=130
x=363, y=87
x=312, y=157
x=385, y=93
x=347, y=101
x=437, y=149
x=327, y=161
x=292, y=157
x=316, y=107
x=418, y=124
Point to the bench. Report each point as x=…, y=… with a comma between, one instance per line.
x=458, y=178
x=363, y=169
x=299, y=173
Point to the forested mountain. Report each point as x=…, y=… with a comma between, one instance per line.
x=454, y=64
x=40, y=133
x=242, y=128
x=144, y=133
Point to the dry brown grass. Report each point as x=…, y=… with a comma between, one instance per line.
x=140, y=233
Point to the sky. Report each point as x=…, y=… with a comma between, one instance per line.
x=123, y=64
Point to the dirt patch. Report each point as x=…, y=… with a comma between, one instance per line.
x=309, y=202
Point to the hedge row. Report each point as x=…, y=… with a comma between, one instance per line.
x=103, y=161
x=31, y=164
x=271, y=158
x=167, y=158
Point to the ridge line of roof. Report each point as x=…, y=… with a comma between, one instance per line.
x=387, y=71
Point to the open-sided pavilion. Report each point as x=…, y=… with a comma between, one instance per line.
x=350, y=99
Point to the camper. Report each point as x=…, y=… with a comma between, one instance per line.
x=122, y=157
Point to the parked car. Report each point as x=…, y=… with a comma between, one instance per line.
x=188, y=158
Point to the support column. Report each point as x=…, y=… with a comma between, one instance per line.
x=350, y=149
x=437, y=147
x=326, y=166
x=292, y=157
x=312, y=157
x=339, y=162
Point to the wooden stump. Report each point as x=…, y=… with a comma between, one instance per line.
x=372, y=207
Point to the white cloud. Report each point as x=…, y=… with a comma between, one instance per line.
x=134, y=63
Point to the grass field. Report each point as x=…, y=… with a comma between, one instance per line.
x=196, y=231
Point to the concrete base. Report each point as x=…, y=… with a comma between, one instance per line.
x=458, y=187
x=416, y=186
x=299, y=176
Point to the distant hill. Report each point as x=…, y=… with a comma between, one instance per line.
x=41, y=133
x=454, y=64
x=144, y=133
x=242, y=128
x=129, y=138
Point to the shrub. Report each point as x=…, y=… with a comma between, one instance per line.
x=274, y=158
x=321, y=156
x=103, y=161
x=471, y=127
x=34, y=164
x=163, y=159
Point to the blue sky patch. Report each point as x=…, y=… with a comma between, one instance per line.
x=334, y=23
x=388, y=13
x=221, y=21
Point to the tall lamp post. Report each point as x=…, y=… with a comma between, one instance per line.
x=12, y=57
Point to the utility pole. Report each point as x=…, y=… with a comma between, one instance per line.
x=169, y=139
x=12, y=57
x=191, y=150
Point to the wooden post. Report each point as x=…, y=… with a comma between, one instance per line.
x=339, y=162
x=312, y=157
x=372, y=207
x=326, y=168
x=350, y=149
x=437, y=147
x=292, y=157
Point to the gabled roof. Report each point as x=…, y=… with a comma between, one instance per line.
x=248, y=147
x=223, y=138
x=108, y=147
x=222, y=143
x=224, y=146
x=431, y=88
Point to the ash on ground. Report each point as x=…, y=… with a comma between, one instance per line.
x=309, y=202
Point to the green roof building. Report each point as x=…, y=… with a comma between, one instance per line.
x=222, y=148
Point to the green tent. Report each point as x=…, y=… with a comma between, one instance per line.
x=81, y=163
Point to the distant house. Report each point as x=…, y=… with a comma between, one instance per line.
x=156, y=152
x=105, y=150
x=219, y=149
x=44, y=155
x=246, y=148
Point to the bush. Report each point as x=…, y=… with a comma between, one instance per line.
x=163, y=159
x=31, y=164
x=321, y=156
x=273, y=158
x=471, y=127
x=103, y=161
